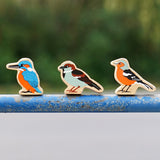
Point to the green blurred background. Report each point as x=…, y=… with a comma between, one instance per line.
x=91, y=33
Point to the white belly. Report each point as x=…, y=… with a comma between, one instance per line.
x=73, y=81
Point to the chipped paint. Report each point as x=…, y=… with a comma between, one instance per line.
x=84, y=103
x=19, y=98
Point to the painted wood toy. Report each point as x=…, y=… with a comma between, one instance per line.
x=129, y=80
x=76, y=79
x=27, y=77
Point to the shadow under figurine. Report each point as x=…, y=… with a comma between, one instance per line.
x=27, y=77
x=76, y=79
x=129, y=80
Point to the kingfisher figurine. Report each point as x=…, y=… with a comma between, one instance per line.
x=129, y=80
x=76, y=79
x=27, y=77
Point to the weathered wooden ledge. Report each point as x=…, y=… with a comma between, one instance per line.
x=83, y=103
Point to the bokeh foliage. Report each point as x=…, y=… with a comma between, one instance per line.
x=89, y=32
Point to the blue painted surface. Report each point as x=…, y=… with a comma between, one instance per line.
x=84, y=103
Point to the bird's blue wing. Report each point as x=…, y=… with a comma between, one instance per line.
x=31, y=78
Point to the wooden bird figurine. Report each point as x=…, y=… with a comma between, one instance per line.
x=129, y=80
x=76, y=79
x=27, y=77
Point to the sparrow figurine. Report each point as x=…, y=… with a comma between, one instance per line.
x=129, y=80
x=76, y=79
x=27, y=77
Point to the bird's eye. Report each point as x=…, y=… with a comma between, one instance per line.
x=21, y=65
x=120, y=63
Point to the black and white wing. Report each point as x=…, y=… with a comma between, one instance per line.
x=130, y=75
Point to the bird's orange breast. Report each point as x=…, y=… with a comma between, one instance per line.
x=122, y=79
x=24, y=83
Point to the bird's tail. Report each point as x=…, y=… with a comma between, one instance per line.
x=38, y=90
x=98, y=87
x=148, y=86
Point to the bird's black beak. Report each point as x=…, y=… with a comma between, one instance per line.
x=62, y=67
x=13, y=66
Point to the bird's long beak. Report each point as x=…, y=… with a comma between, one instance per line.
x=12, y=66
x=114, y=63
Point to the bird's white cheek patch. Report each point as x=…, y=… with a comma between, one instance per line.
x=30, y=69
x=67, y=71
